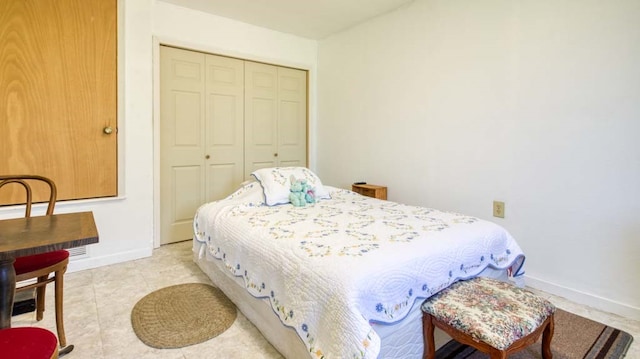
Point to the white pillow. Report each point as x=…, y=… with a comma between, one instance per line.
x=276, y=183
x=249, y=192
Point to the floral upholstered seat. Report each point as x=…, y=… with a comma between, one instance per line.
x=491, y=311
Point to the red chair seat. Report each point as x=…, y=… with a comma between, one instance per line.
x=27, y=343
x=30, y=263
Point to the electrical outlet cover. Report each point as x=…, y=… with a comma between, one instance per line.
x=498, y=209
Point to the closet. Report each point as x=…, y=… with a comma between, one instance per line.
x=220, y=119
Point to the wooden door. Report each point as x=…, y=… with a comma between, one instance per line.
x=58, y=93
x=201, y=135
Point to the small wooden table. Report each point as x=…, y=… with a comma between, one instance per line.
x=34, y=235
x=370, y=190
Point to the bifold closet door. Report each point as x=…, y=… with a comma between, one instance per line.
x=260, y=116
x=224, y=124
x=275, y=117
x=201, y=135
x=292, y=117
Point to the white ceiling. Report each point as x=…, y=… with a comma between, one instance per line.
x=314, y=19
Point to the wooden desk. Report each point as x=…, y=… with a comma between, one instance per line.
x=34, y=235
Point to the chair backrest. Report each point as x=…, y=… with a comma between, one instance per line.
x=24, y=180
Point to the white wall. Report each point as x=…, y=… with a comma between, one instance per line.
x=453, y=104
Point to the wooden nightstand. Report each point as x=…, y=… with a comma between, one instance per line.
x=370, y=190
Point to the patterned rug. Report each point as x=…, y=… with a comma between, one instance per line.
x=574, y=337
x=182, y=315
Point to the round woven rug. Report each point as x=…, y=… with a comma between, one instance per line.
x=182, y=315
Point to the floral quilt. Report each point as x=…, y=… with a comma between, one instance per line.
x=332, y=268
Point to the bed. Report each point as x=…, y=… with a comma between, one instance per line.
x=343, y=277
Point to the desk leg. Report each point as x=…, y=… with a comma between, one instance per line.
x=7, y=291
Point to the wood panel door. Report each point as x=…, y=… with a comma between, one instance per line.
x=201, y=135
x=58, y=92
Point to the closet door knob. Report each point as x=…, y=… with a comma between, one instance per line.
x=207, y=156
x=275, y=155
x=107, y=130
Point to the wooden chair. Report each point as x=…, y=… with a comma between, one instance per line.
x=28, y=342
x=46, y=267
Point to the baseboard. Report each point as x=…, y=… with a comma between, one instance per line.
x=89, y=262
x=583, y=298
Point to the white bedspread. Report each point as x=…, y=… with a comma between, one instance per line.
x=331, y=268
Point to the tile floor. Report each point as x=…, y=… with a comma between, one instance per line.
x=98, y=304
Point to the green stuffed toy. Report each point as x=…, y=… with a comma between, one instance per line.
x=310, y=194
x=301, y=193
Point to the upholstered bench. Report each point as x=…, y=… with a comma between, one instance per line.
x=494, y=317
